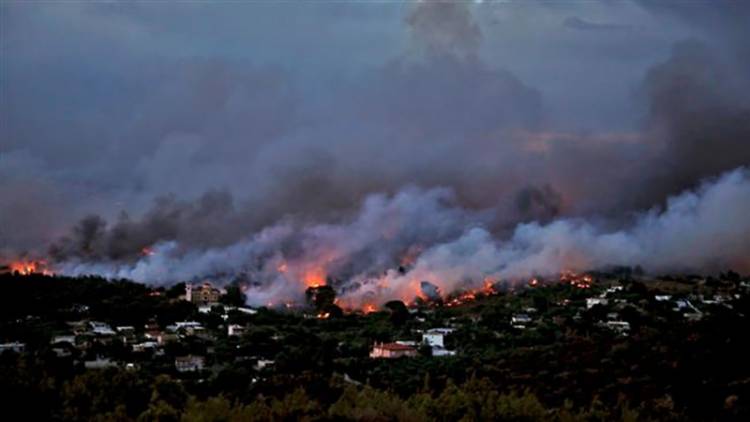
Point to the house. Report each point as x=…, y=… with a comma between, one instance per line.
x=204, y=294
x=189, y=363
x=63, y=339
x=101, y=329
x=187, y=327
x=593, y=301
x=685, y=305
x=442, y=351
x=520, y=320
x=263, y=363
x=613, y=290
x=14, y=346
x=99, y=363
x=145, y=346
x=435, y=337
x=392, y=351
x=620, y=327
x=235, y=330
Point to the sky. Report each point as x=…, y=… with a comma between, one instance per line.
x=130, y=124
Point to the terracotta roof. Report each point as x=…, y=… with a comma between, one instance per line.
x=394, y=347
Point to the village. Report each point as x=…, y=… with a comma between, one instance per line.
x=216, y=333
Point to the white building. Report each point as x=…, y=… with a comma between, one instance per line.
x=64, y=339
x=593, y=301
x=101, y=328
x=520, y=320
x=442, y=351
x=189, y=363
x=620, y=327
x=15, y=346
x=235, y=330
x=435, y=337
x=99, y=363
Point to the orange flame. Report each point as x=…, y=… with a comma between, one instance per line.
x=30, y=267
x=314, y=278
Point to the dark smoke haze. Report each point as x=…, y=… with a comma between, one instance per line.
x=176, y=142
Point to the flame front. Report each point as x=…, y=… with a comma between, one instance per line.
x=30, y=267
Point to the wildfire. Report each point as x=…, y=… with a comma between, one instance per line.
x=314, y=278
x=369, y=308
x=324, y=315
x=487, y=289
x=30, y=267
x=581, y=281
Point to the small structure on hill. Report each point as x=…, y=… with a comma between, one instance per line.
x=392, y=351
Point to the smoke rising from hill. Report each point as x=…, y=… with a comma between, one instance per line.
x=440, y=149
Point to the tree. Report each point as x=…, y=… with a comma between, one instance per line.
x=234, y=296
x=399, y=312
x=320, y=297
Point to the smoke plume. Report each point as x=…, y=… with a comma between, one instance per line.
x=438, y=142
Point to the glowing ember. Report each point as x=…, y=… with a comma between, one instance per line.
x=323, y=315
x=581, y=281
x=369, y=309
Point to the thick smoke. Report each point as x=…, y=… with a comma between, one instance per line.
x=364, y=258
x=452, y=143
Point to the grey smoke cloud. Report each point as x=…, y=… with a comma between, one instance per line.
x=199, y=139
x=363, y=257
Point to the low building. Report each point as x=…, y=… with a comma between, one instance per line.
x=520, y=320
x=435, y=337
x=235, y=330
x=14, y=346
x=620, y=327
x=71, y=339
x=101, y=329
x=442, y=351
x=263, y=363
x=99, y=363
x=189, y=363
x=392, y=351
x=145, y=346
x=593, y=301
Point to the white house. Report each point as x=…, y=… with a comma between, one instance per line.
x=593, y=301
x=235, y=330
x=189, y=363
x=435, y=337
x=15, y=346
x=620, y=327
x=101, y=329
x=520, y=320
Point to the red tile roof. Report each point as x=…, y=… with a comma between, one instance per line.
x=394, y=347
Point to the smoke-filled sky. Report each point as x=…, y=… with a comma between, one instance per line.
x=361, y=132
